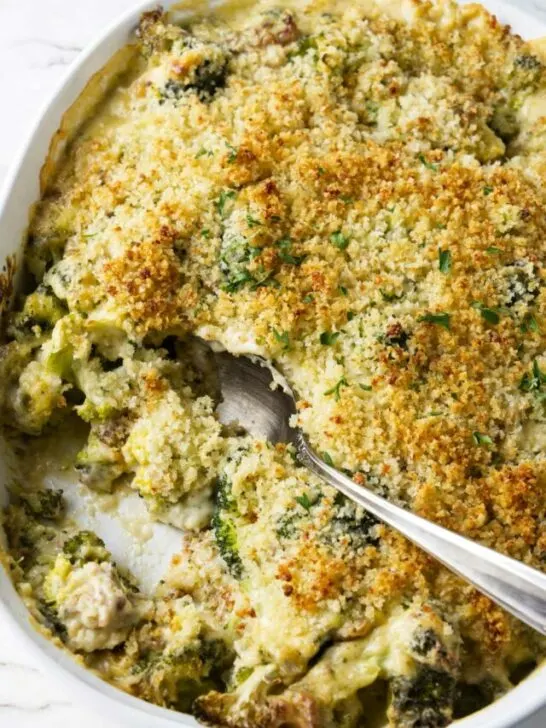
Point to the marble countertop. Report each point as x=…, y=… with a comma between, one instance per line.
x=38, y=40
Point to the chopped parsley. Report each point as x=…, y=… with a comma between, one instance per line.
x=283, y=338
x=251, y=221
x=340, y=240
x=481, y=440
x=205, y=233
x=327, y=338
x=487, y=190
x=336, y=389
x=309, y=298
x=365, y=387
x=491, y=315
x=532, y=381
x=444, y=261
x=225, y=195
x=328, y=459
x=233, y=152
x=202, y=152
x=285, y=246
x=237, y=281
x=441, y=319
x=343, y=290
x=529, y=323
x=428, y=165
x=304, y=501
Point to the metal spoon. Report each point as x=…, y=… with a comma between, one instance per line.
x=249, y=399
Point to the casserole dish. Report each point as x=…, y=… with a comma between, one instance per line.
x=22, y=193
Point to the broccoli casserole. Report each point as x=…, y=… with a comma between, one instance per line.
x=356, y=193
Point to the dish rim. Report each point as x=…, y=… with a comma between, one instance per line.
x=520, y=703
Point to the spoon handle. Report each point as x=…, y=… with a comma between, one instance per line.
x=520, y=589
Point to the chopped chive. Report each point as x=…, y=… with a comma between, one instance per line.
x=492, y=250
x=343, y=290
x=205, y=233
x=309, y=298
x=365, y=387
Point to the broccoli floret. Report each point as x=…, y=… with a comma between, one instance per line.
x=526, y=72
x=85, y=546
x=175, y=679
x=522, y=283
x=354, y=522
x=100, y=462
x=424, y=700
x=224, y=527
x=206, y=80
x=41, y=311
x=47, y=504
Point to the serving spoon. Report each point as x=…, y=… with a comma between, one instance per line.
x=257, y=397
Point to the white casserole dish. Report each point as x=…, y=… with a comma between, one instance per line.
x=21, y=190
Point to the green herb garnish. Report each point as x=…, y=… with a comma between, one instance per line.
x=327, y=338
x=283, y=338
x=441, y=319
x=529, y=323
x=251, y=221
x=336, y=389
x=340, y=240
x=328, y=459
x=444, y=261
x=304, y=501
x=428, y=165
x=490, y=315
x=481, y=439
x=532, y=381
x=233, y=152
x=225, y=195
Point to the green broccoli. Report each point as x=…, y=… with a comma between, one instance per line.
x=85, y=546
x=209, y=77
x=41, y=311
x=348, y=519
x=47, y=504
x=175, y=679
x=424, y=700
x=224, y=527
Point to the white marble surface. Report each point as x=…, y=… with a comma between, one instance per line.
x=38, y=41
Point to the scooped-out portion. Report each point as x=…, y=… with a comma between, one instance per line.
x=355, y=193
